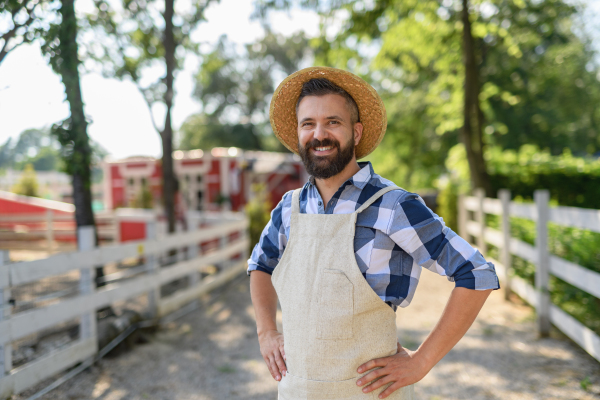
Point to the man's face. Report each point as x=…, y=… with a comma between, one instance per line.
x=326, y=135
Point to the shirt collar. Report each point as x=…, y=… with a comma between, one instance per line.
x=360, y=179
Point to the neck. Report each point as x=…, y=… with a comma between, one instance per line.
x=328, y=187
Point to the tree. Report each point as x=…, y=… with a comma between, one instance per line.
x=23, y=22
x=198, y=132
x=538, y=80
x=33, y=146
x=472, y=129
x=60, y=45
x=151, y=38
x=235, y=91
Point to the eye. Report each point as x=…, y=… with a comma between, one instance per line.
x=306, y=124
x=333, y=122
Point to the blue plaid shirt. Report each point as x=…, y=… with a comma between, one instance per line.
x=396, y=236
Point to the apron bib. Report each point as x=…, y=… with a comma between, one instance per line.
x=333, y=321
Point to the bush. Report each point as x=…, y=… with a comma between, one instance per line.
x=454, y=184
x=572, y=181
x=28, y=184
x=258, y=211
x=576, y=245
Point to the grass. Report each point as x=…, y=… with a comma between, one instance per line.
x=226, y=369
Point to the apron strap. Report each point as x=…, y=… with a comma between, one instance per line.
x=375, y=197
x=296, y=201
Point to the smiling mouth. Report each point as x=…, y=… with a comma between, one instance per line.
x=323, y=148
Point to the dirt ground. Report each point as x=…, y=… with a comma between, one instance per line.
x=212, y=353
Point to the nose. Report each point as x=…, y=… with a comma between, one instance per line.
x=320, y=132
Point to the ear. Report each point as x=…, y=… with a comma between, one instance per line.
x=358, y=130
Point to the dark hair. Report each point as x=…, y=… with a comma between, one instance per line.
x=321, y=87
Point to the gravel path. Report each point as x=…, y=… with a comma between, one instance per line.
x=212, y=353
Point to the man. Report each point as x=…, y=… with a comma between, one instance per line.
x=343, y=252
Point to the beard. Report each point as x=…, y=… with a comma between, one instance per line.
x=324, y=167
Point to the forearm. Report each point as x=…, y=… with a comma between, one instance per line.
x=264, y=300
x=460, y=312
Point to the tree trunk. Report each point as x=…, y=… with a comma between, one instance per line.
x=81, y=157
x=471, y=134
x=170, y=186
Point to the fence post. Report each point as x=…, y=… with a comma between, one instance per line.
x=152, y=269
x=86, y=240
x=480, y=218
x=505, y=257
x=5, y=308
x=117, y=225
x=463, y=216
x=192, y=252
x=50, y=230
x=541, y=197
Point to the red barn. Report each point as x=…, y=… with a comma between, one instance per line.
x=209, y=181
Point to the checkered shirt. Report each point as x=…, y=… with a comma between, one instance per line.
x=395, y=236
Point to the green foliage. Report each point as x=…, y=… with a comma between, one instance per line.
x=235, y=91
x=455, y=183
x=33, y=146
x=258, y=211
x=23, y=22
x=143, y=198
x=28, y=184
x=197, y=133
x=539, y=81
x=447, y=201
x=75, y=149
x=576, y=245
x=129, y=40
x=572, y=181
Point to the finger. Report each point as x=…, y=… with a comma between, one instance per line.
x=378, y=362
x=273, y=369
x=280, y=363
x=391, y=389
x=378, y=383
x=282, y=351
x=371, y=376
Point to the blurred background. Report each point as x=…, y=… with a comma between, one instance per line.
x=163, y=106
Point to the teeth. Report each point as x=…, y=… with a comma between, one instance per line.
x=323, y=148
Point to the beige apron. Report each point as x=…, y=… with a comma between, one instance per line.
x=333, y=321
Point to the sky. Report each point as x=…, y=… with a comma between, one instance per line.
x=32, y=95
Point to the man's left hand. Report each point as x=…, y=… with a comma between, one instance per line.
x=401, y=369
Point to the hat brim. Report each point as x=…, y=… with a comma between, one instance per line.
x=370, y=107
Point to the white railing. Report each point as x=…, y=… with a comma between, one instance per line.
x=228, y=253
x=539, y=255
x=55, y=231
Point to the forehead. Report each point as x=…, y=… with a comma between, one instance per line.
x=323, y=106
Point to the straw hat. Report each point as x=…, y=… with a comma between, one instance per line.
x=370, y=107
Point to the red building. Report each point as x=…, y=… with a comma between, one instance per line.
x=209, y=181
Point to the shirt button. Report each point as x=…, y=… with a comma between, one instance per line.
x=320, y=203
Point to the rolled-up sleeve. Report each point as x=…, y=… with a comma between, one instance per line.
x=269, y=249
x=432, y=245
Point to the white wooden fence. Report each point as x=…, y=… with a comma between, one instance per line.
x=26, y=231
x=230, y=254
x=545, y=263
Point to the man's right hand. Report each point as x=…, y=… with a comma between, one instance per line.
x=271, y=348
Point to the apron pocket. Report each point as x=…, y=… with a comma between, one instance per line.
x=336, y=306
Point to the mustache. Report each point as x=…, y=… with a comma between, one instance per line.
x=321, y=143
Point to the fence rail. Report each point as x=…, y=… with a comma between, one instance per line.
x=185, y=255
x=546, y=264
x=55, y=230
